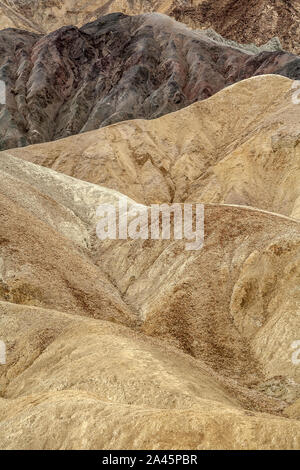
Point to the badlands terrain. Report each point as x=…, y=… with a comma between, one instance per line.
x=246, y=21
x=118, y=68
x=141, y=344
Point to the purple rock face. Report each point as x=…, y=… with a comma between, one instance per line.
x=114, y=69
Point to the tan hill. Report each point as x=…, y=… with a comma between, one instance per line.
x=240, y=146
x=84, y=384
x=44, y=16
x=114, y=69
x=214, y=362
x=141, y=343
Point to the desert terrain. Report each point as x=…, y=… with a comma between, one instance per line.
x=141, y=343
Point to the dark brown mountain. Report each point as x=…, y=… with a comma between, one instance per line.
x=255, y=21
x=114, y=69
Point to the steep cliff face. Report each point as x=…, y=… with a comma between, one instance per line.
x=114, y=69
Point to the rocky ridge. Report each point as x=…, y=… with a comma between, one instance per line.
x=115, y=69
x=246, y=21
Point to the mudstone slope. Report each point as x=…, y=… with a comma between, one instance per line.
x=141, y=343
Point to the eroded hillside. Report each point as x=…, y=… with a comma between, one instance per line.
x=246, y=21
x=241, y=146
x=115, y=69
x=141, y=343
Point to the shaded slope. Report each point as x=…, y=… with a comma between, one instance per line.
x=44, y=244
x=246, y=21
x=114, y=69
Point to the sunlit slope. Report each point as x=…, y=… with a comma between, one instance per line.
x=103, y=334
x=240, y=146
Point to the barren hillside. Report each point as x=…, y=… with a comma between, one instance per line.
x=114, y=69
x=246, y=21
x=141, y=343
x=241, y=146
